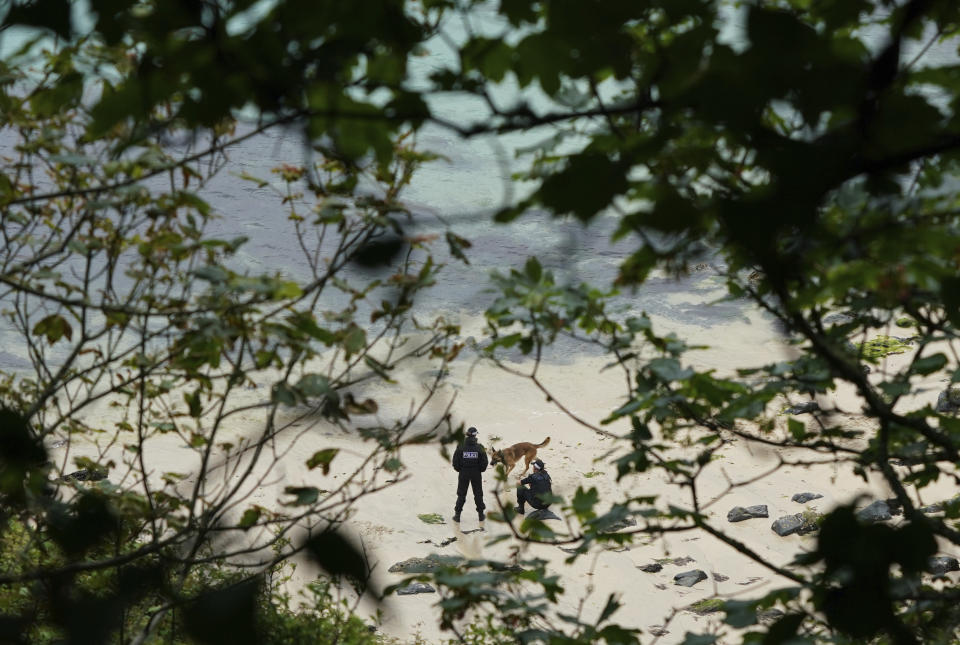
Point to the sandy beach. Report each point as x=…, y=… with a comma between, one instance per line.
x=507, y=409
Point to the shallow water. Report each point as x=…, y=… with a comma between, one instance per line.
x=461, y=191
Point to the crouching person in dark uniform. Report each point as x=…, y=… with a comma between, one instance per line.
x=469, y=459
x=534, y=489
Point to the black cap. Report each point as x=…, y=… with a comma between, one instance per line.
x=472, y=432
x=538, y=463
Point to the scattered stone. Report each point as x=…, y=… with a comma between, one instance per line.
x=931, y=508
x=689, y=578
x=542, y=514
x=661, y=586
x=803, y=498
x=750, y=581
x=86, y=475
x=787, y=525
x=768, y=616
x=803, y=408
x=719, y=577
x=653, y=567
x=416, y=587
x=940, y=565
x=617, y=549
x=571, y=551
x=800, y=523
x=441, y=544
x=894, y=505
x=739, y=513
x=879, y=511
x=682, y=561
x=949, y=401
x=420, y=565
x=59, y=443
x=658, y=630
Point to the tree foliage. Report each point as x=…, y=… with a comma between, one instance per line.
x=807, y=150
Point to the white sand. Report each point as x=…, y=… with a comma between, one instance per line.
x=513, y=409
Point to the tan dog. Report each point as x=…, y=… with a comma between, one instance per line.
x=510, y=456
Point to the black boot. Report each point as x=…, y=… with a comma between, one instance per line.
x=482, y=515
x=519, y=510
x=456, y=517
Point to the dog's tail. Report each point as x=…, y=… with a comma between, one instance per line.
x=545, y=442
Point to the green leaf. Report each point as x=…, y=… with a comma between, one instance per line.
x=583, y=503
x=354, y=340
x=282, y=393
x=929, y=364
x=533, y=270
x=322, y=458
x=53, y=327
x=303, y=495
x=212, y=273
x=250, y=517
x=314, y=385
x=339, y=556
x=45, y=14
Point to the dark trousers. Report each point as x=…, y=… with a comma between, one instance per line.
x=474, y=479
x=525, y=495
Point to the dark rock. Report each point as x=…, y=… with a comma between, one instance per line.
x=719, y=577
x=749, y=581
x=416, y=587
x=542, y=514
x=682, y=561
x=803, y=498
x=661, y=586
x=876, y=512
x=894, y=505
x=739, y=513
x=422, y=565
x=653, y=567
x=949, y=401
x=942, y=564
x=86, y=475
x=803, y=408
x=800, y=524
x=787, y=525
x=658, y=630
x=689, y=578
x=931, y=508
x=769, y=616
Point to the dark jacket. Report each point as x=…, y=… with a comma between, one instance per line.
x=539, y=483
x=470, y=456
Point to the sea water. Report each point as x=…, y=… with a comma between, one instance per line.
x=461, y=191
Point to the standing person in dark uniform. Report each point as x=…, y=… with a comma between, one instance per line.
x=535, y=488
x=469, y=459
